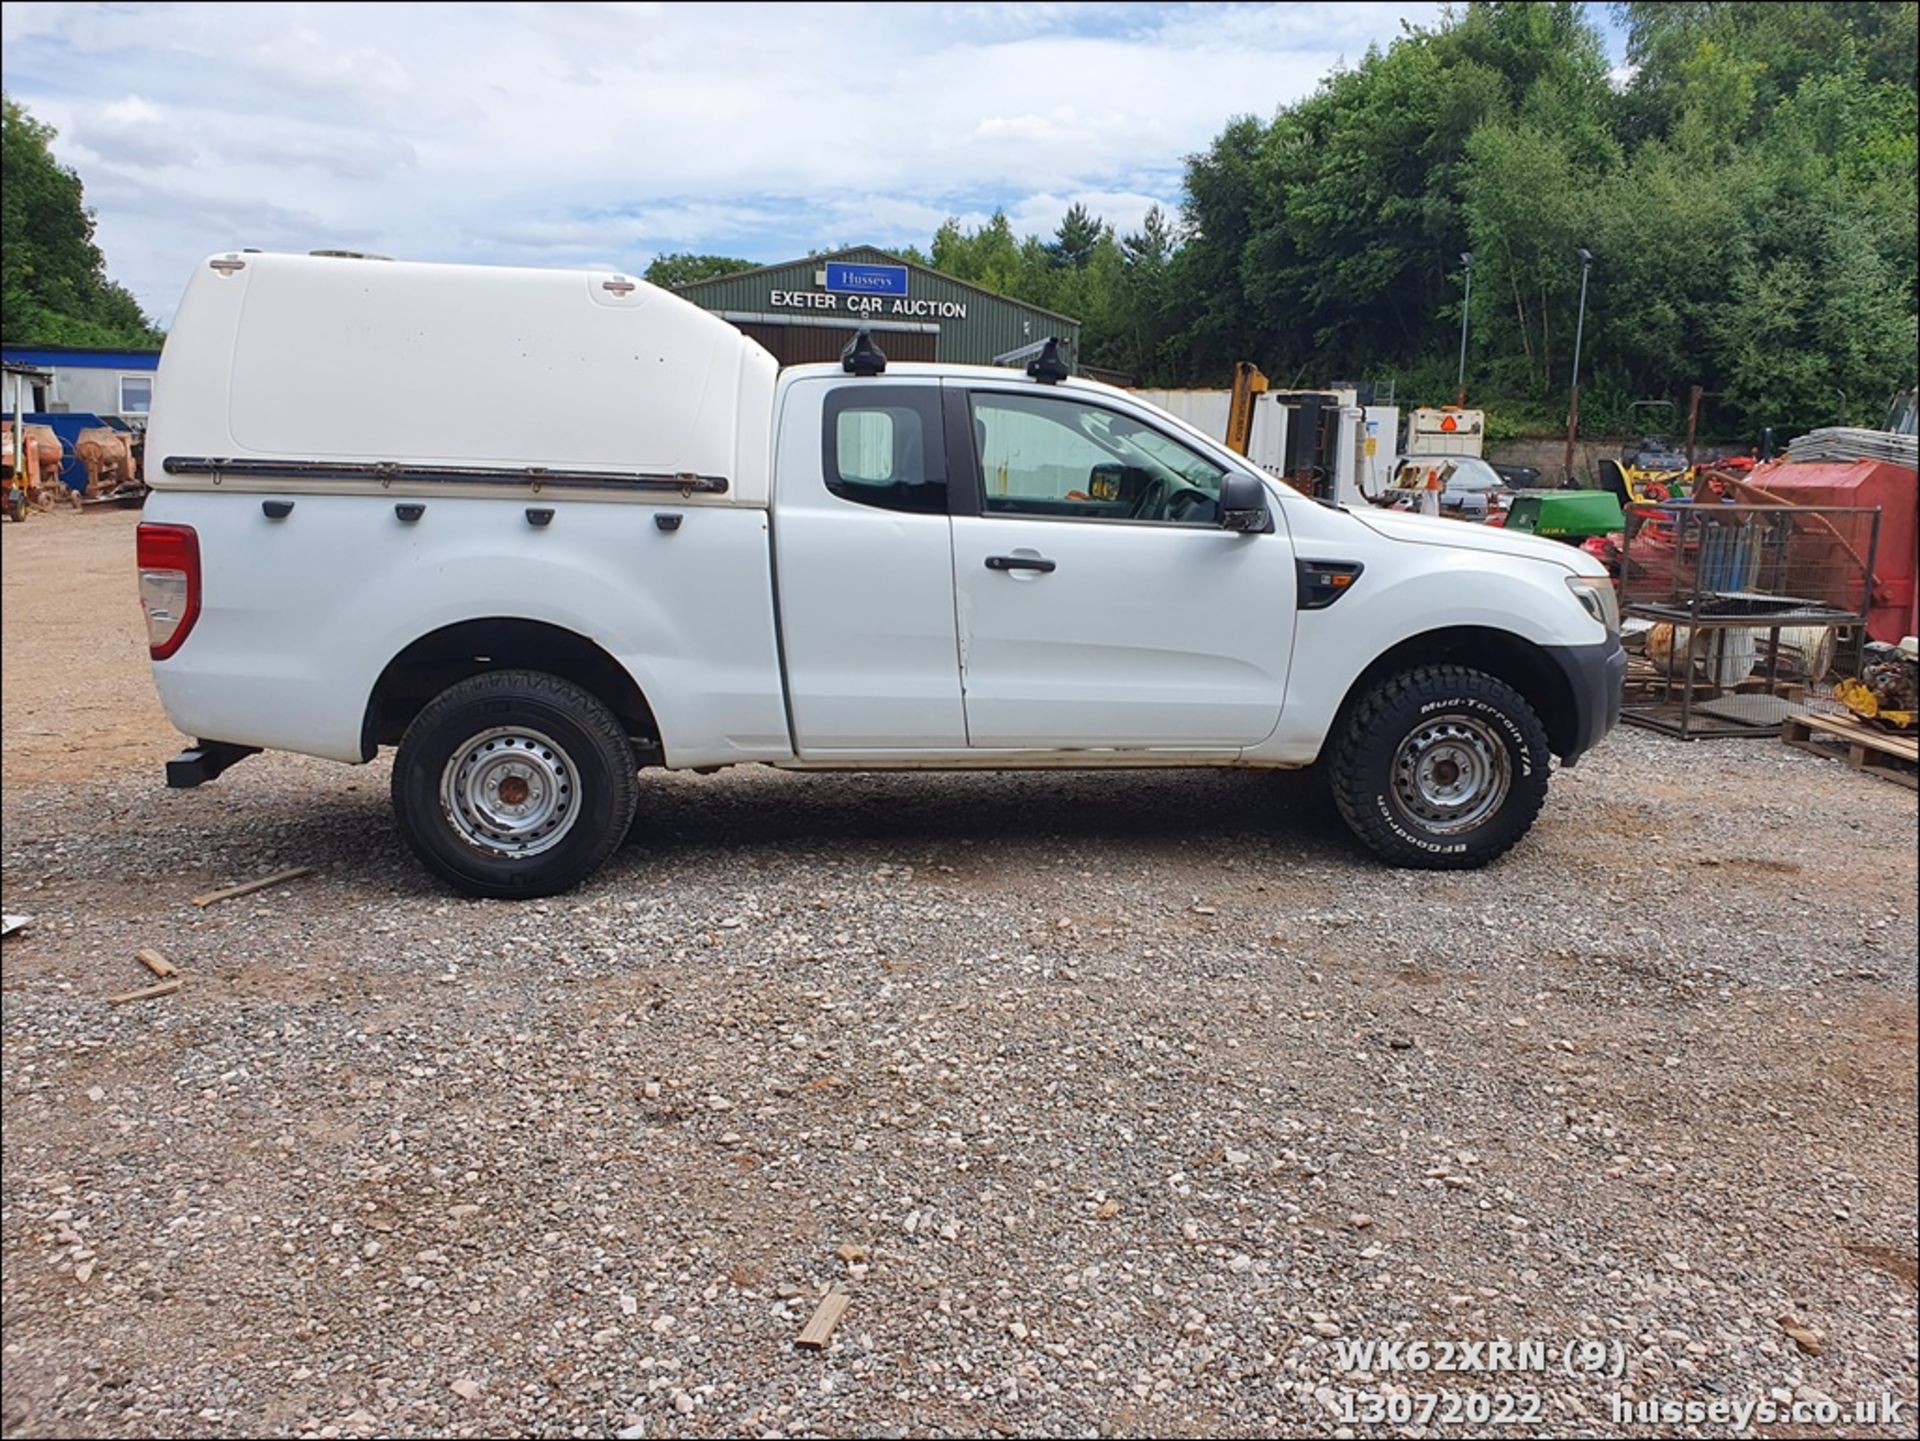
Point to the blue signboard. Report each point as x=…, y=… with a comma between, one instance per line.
x=866, y=279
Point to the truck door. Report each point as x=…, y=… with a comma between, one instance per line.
x=863, y=568
x=1100, y=603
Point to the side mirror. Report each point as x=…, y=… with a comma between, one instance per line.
x=1243, y=504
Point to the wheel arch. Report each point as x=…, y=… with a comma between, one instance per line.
x=446, y=656
x=1507, y=657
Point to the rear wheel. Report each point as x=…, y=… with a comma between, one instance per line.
x=514, y=784
x=1441, y=768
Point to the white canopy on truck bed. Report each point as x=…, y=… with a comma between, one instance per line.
x=301, y=372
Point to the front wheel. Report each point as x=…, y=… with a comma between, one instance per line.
x=514, y=784
x=1440, y=768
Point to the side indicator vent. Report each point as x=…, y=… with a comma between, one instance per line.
x=1322, y=582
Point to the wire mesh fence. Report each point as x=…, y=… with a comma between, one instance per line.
x=1743, y=616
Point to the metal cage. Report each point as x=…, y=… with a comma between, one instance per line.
x=1741, y=612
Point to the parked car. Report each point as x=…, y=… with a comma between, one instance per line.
x=1516, y=477
x=1469, y=486
x=539, y=530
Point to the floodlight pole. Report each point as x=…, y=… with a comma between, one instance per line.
x=1460, y=384
x=1579, y=329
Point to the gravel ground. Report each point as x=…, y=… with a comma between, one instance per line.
x=1115, y=1103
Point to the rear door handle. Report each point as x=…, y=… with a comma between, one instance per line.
x=1020, y=562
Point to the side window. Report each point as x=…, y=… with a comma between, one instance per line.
x=1044, y=455
x=883, y=447
x=136, y=394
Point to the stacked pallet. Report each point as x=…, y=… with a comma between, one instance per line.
x=1845, y=444
x=1886, y=754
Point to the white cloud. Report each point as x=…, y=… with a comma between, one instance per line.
x=314, y=64
x=1124, y=210
x=557, y=133
x=134, y=132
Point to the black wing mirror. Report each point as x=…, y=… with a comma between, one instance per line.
x=1243, y=504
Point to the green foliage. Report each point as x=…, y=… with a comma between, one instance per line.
x=683, y=268
x=1074, y=242
x=1749, y=195
x=1122, y=290
x=53, y=284
x=991, y=256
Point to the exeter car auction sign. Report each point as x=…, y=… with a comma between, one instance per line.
x=866, y=304
x=865, y=290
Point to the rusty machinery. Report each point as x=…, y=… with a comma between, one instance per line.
x=1888, y=690
x=1248, y=382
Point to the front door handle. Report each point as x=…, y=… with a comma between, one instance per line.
x=1020, y=562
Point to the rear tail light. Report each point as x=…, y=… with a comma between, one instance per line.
x=169, y=585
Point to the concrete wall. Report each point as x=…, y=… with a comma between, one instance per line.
x=1549, y=454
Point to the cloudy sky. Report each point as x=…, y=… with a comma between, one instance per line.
x=564, y=134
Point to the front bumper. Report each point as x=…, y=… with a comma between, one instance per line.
x=1596, y=676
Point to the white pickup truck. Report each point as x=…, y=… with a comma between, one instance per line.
x=541, y=530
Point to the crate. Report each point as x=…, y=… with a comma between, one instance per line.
x=1756, y=565
x=1749, y=606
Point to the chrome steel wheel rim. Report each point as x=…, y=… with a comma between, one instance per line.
x=1451, y=774
x=510, y=792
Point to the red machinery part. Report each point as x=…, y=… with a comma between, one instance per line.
x=1895, y=489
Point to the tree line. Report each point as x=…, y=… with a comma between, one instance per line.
x=1748, y=192
x=53, y=281
x=1748, y=195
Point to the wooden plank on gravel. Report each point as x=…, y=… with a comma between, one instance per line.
x=156, y=963
x=165, y=988
x=1870, y=751
x=227, y=893
x=1903, y=746
x=826, y=1316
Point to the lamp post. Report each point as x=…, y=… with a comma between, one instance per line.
x=1466, y=260
x=1579, y=329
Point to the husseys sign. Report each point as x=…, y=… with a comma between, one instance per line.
x=866, y=290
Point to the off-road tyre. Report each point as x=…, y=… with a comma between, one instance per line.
x=1422, y=716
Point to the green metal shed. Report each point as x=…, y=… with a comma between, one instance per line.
x=807, y=310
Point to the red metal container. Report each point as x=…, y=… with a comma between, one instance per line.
x=1895, y=489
